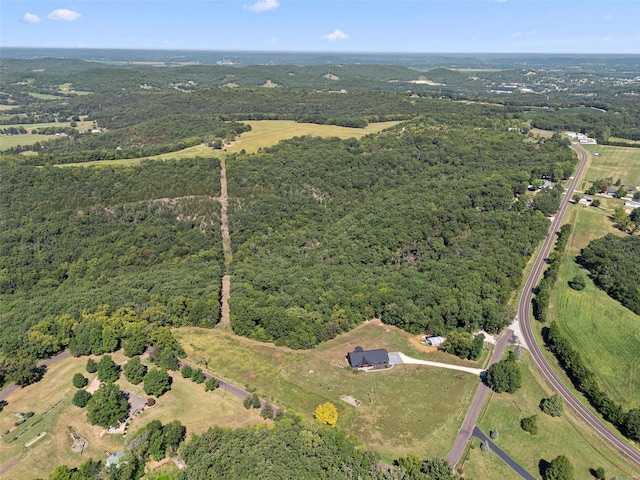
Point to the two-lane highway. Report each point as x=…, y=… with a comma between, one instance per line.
x=524, y=316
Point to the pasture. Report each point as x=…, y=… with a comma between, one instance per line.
x=186, y=401
x=606, y=334
x=616, y=162
x=563, y=435
x=9, y=141
x=407, y=409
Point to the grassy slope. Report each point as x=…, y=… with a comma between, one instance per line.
x=408, y=409
x=39, y=460
x=562, y=435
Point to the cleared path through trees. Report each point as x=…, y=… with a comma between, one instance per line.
x=225, y=293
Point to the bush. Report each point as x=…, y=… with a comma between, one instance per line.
x=552, y=406
x=92, y=366
x=600, y=473
x=494, y=434
x=211, y=384
x=484, y=446
x=198, y=376
x=79, y=380
x=267, y=412
x=327, y=413
x=559, y=469
x=81, y=398
x=577, y=282
x=530, y=424
x=186, y=371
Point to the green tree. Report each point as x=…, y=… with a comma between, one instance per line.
x=530, y=424
x=186, y=371
x=211, y=384
x=552, y=405
x=92, y=365
x=173, y=433
x=600, y=473
x=134, y=370
x=79, y=380
x=108, y=370
x=81, y=398
x=157, y=382
x=267, y=412
x=505, y=375
x=631, y=424
x=198, y=376
x=578, y=282
x=107, y=406
x=596, y=202
x=559, y=469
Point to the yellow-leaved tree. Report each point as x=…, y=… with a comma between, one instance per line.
x=327, y=413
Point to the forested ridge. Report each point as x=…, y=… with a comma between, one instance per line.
x=420, y=227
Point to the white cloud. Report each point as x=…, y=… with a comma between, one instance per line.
x=64, y=15
x=336, y=35
x=530, y=33
x=30, y=18
x=263, y=5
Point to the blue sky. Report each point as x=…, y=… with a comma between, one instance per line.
x=521, y=26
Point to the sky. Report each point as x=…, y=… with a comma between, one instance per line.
x=415, y=26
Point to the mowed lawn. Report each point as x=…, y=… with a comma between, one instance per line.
x=9, y=141
x=407, y=409
x=606, y=334
x=563, y=435
x=186, y=401
x=616, y=162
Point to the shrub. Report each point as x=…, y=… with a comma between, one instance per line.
x=552, y=406
x=559, y=469
x=81, y=398
x=79, y=380
x=577, y=282
x=198, y=376
x=92, y=366
x=530, y=424
x=327, y=413
x=267, y=411
x=211, y=384
x=186, y=371
x=484, y=446
x=600, y=473
x=494, y=434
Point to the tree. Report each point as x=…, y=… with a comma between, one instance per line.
x=108, y=406
x=505, y=375
x=530, y=424
x=559, y=469
x=92, y=366
x=578, y=282
x=79, y=380
x=134, y=370
x=81, y=398
x=157, y=382
x=198, y=376
x=552, y=406
x=174, y=433
x=267, y=412
x=255, y=400
x=600, y=473
x=186, y=371
x=631, y=424
x=211, y=384
x=108, y=370
x=327, y=413
x=596, y=202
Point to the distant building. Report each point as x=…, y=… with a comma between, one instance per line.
x=360, y=358
x=435, y=341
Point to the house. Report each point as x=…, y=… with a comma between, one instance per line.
x=115, y=459
x=585, y=201
x=360, y=358
x=612, y=191
x=631, y=204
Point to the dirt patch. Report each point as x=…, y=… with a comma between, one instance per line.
x=93, y=386
x=35, y=439
x=350, y=400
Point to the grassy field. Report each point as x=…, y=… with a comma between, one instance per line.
x=616, y=162
x=187, y=402
x=8, y=141
x=408, y=409
x=606, y=334
x=480, y=465
x=625, y=140
x=557, y=436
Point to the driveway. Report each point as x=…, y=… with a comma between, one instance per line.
x=414, y=361
x=395, y=358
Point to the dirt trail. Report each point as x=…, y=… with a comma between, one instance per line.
x=225, y=319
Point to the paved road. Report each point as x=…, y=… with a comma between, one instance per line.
x=469, y=423
x=479, y=434
x=524, y=316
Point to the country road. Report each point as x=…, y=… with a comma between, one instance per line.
x=524, y=316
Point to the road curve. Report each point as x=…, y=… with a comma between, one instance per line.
x=524, y=317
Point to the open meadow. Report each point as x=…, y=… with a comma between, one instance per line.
x=615, y=162
x=407, y=409
x=50, y=400
x=564, y=435
x=606, y=334
x=9, y=141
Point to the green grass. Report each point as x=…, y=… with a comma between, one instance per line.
x=557, y=436
x=9, y=141
x=625, y=140
x=408, y=409
x=43, y=96
x=606, y=334
x=616, y=162
x=480, y=465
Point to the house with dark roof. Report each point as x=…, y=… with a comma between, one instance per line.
x=360, y=358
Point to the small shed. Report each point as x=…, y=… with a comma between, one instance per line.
x=435, y=341
x=360, y=358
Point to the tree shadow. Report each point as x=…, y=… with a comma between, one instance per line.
x=543, y=466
